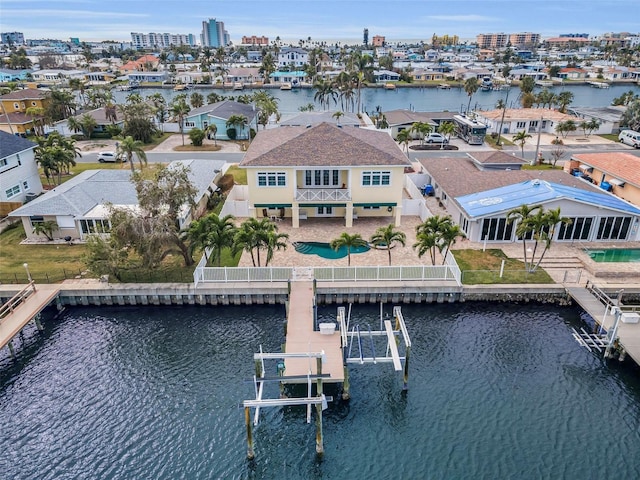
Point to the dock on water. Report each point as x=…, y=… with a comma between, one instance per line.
x=302, y=338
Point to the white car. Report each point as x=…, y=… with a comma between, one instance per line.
x=435, y=138
x=108, y=157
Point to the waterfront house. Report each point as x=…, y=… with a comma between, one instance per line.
x=14, y=118
x=13, y=75
x=572, y=73
x=296, y=57
x=324, y=171
x=518, y=119
x=479, y=201
x=147, y=77
x=19, y=178
x=145, y=63
x=57, y=76
x=218, y=114
x=386, y=76
x=608, y=117
x=424, y=75
x=80, y=205
x=615, y=172
x=305, y=119
x=400, y=120
x=99, y=115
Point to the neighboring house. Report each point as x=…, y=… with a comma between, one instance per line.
x=292, y=56
x=572, y=73
x=294, y=78
x=19, y=178
x=496, y=160
x=148, y=77
x=80, y=205
x=527, y=119
x=218, y=114
x=53, y=76
x=244, y=75
x=386, y=76
x=480, y=201
x=99, y=115
x=98, y=78
x=325, y=171
x=14, y=106
x=400, y=120
x=422, y=75
x=616, y=172
x=13, y=75
x=608, y=117
x=146, y=63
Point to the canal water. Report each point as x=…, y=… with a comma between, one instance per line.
x=495, y=391
x=418, y=99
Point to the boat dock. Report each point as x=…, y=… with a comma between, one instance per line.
x=619, y=326
x=22, y=308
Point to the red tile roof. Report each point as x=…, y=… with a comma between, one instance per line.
x=623, y=166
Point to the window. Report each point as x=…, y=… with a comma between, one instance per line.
x=25, y=185
x=322, y=178
x=272, y=179
x=613, y=228
x=95, y=226
x=579, y=229
x=16, y=106
x=36, y=219
x=33, y=104
x=189, y=124
x=13, y=191
x=371, y=208
x=496, y=229
x=376, y=178
x=521, y=124
x=3, y=162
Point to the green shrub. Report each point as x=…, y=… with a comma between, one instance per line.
x=100, y=135
x=226, y=182
x=231, y=133
x=196, y=136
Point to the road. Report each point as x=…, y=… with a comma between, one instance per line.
x=166, y=157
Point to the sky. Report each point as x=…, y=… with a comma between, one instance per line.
x=325, y=20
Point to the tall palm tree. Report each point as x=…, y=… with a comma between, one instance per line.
x=275, y=241
x=522, y=215
x=550, y=220
x=447, y=129
x=429, y=235
x=404, y=136
x=212, y=232
x=196, y=99
x=521, y=139
x=337, y=116
x=130, y=147
x=325, y=93
x=348, y=241
x=235, y=121
x=387, y=237
x=179, y=110
x=422, y=129
x=471, y=86
x=212, y=130
x=449, y=233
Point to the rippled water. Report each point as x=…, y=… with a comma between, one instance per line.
x=495, y=391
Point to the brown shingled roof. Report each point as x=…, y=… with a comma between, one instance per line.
x=495, y=157
x=323, y=144
x=25, y=94
x=459, y=176
x=621, y=165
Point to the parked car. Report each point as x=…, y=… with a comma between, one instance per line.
x=109, y=157
x=630, y=137
x=435, y=138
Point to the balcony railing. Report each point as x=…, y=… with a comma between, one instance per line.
x=323, y=194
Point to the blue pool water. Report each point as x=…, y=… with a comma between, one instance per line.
x=615, y=255
x=324, y=250
x=496, y=391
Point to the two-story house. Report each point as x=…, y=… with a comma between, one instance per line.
x=325, y=171
x=18, y=172
x=14, y=118
x=296, y=57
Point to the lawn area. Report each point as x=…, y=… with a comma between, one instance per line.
x=156, y=141
x=480, y=267
x=493, y=142
x=239, y=174
x=193, y=148
x=81, y=167
x=610, y=136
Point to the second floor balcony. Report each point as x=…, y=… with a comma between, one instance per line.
x=323, y=194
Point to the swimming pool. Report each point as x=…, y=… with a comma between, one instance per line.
x=324, y=250
x=615, y=255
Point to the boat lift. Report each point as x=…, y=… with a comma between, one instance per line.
x=359, y=346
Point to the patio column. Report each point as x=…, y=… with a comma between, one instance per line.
x=349, y=215
x=398, y=214
x=295, y=215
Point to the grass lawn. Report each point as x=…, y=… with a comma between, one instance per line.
x=544, y=166
x=480, y=267
x=610, y=136
x=493, y=142
x=156, y=141
x=193, y=148
x=239, y=174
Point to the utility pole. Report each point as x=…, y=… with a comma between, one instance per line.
x=535, y=157
x=504, y=109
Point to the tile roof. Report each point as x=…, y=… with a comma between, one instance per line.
x=25, y=94
x=403, y=117
x=495, y=157
x=459, y=176
x=325, y=145
x=624, y=166
x=16, y=118
x=512, y=114
x=12, y=144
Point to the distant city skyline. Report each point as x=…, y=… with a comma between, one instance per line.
x=325, y=20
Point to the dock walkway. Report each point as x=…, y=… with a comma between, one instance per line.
x=301, y=337
x=23, y=313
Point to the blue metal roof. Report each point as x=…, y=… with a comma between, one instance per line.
x=533, y=192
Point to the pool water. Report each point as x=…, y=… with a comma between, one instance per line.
x=615, y=255
x=324, y=250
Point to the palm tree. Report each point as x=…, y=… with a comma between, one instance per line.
x=549, y=222
x=564, y=99
x=387, y=237
x=422, y=129
x=521, y=139
x=212, y=232
x=128, y=147
x=325, y=93
x=179, y=110
x=447, y=129
x=337, y=116
x=267, y=105
x=235, y=121
x=275, y=241
x=45, y=228
x=429, y=235
x=197, y=100
x=348, y=241
x=471, y=86
x=522, y=215
x=255, y=235
x=449, y=233
x=212, y=130
x=404, y=136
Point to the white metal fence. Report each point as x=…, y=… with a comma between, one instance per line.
x=241, y=274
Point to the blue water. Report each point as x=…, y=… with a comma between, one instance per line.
x=324, y=250
x=615, y=255
x=495, y=391
x=419, y=99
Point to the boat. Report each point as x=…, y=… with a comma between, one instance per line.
x=544, y=83
x=179, y=87
x=123, y=88
x=599, y=84
x=238, y=86
x=486, y=85
x=389, y=86
x=285, y=86
x=444, y=86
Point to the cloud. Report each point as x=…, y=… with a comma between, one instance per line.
x=68, y=14
x=463, y=18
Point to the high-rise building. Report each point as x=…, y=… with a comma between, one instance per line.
x=161, y=40
x=365, y=37
x=492, y=40
x=524, y=39
x=378, y=41
x=214, y=34
x=12, y=38
x=254, y=40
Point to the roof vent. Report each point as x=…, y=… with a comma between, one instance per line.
x=535, y=183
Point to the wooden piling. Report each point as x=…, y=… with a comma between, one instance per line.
x=247, y=419
x=345, y=385
x=405, y=375
x=11, y=349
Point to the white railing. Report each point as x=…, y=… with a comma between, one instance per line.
x=323, y=194
x=382, y=273
x=450, y=262
x=204, y=274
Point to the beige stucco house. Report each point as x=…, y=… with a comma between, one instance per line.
x=324, y=171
